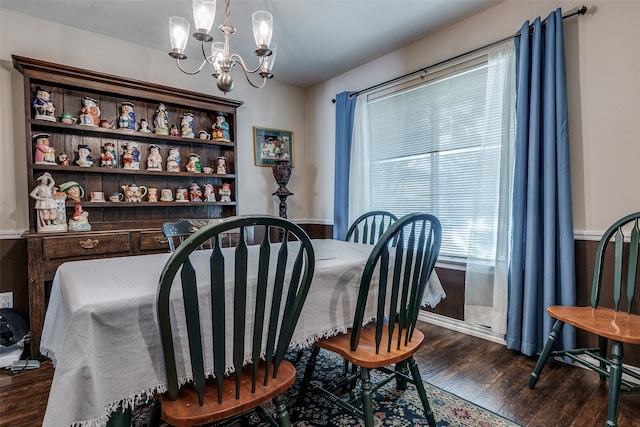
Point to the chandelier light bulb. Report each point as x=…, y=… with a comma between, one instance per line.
x=179, y=34
x=262, y=28
x=204, y=13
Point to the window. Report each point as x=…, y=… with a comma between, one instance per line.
x=425, y=148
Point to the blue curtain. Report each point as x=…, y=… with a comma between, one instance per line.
x=345, y=108
x=542, y=265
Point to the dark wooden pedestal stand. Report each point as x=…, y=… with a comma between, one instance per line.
x=282, y=173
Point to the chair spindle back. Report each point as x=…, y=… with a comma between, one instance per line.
x=369, y=227
x=417, y=238
x=246, y=279
x=619, y=278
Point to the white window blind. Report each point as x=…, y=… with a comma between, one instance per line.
x=425, y=153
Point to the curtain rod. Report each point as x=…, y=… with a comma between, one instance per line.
x=580, y=11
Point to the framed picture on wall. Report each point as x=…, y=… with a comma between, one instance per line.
x=270, y=145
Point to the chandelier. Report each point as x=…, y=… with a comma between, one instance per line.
x=222, y=61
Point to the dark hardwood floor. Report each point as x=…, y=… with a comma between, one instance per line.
x=480, y=371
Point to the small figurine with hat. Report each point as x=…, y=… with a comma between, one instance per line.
x=220, y=129
x=131, y=156
x=154, y=160
x=44, y=153
x=43, y=106
x=108, y=158
x=127, y=119
x=73, y=190
x=90, y=113
x=49, y=206
x=84, y=156
x=80, y=220
x=194, y=163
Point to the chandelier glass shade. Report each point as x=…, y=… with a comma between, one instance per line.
x=221, y=59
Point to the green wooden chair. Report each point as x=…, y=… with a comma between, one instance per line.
x=392, y=338
x=280, y=288
x=617, y=324
x=369, y=227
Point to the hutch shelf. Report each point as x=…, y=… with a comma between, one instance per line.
x=121, y=228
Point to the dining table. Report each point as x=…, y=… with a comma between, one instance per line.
x=101, y=331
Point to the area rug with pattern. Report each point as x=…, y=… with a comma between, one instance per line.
x=392, y=407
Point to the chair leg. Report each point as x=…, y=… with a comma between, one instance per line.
x=282, y=416
x=615, y=380
x=548, y=348
x=367, y=397
x=417, y=379
x=603, y=343
x=311, y=365
x=401, y=383
x=120, y=418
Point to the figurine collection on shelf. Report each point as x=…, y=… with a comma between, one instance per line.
x=90, y=115
x=51, y=202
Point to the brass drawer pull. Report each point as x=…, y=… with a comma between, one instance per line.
x=162, y=240
x=89, y=243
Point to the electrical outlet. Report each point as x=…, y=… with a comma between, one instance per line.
x=6, y=299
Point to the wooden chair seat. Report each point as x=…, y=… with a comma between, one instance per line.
x=605, y=322
x=185, y=411
x=618, y=325
x=365, y=355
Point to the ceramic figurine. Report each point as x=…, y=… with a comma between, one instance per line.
x=43, y=106
x=131, y=156
x=68, y=119
x=186, y=126
x=44, y=153
x=90, y=113
x=104, y=123
x=63, y=159
x=72, y=190
x=174, y=130
x=173, y=160
x=220, y=129
x=152, y=194
x=154, y=160
x=49, y=205
x=181, y=195
x=127, y=119
x=225, y=193
x=84, y=156
x=80, y=220
x=166, y=195
x=222, y=165
x=195, y=194
x=194, y=163
x=134, y=192
x=144, y=126
x=161, y=121
x=108, y=159
x=203, y=134
x=209, y=194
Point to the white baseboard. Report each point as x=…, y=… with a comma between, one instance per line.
x=460, y=326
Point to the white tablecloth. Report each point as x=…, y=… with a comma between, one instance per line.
x=101, y=332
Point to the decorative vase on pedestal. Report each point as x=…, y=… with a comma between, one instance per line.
x=282, y=173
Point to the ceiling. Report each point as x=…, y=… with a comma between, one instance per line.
x=317, y=39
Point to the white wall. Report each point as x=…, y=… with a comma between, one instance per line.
x=603, y=65
x=603, y=70
x=276, y=106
